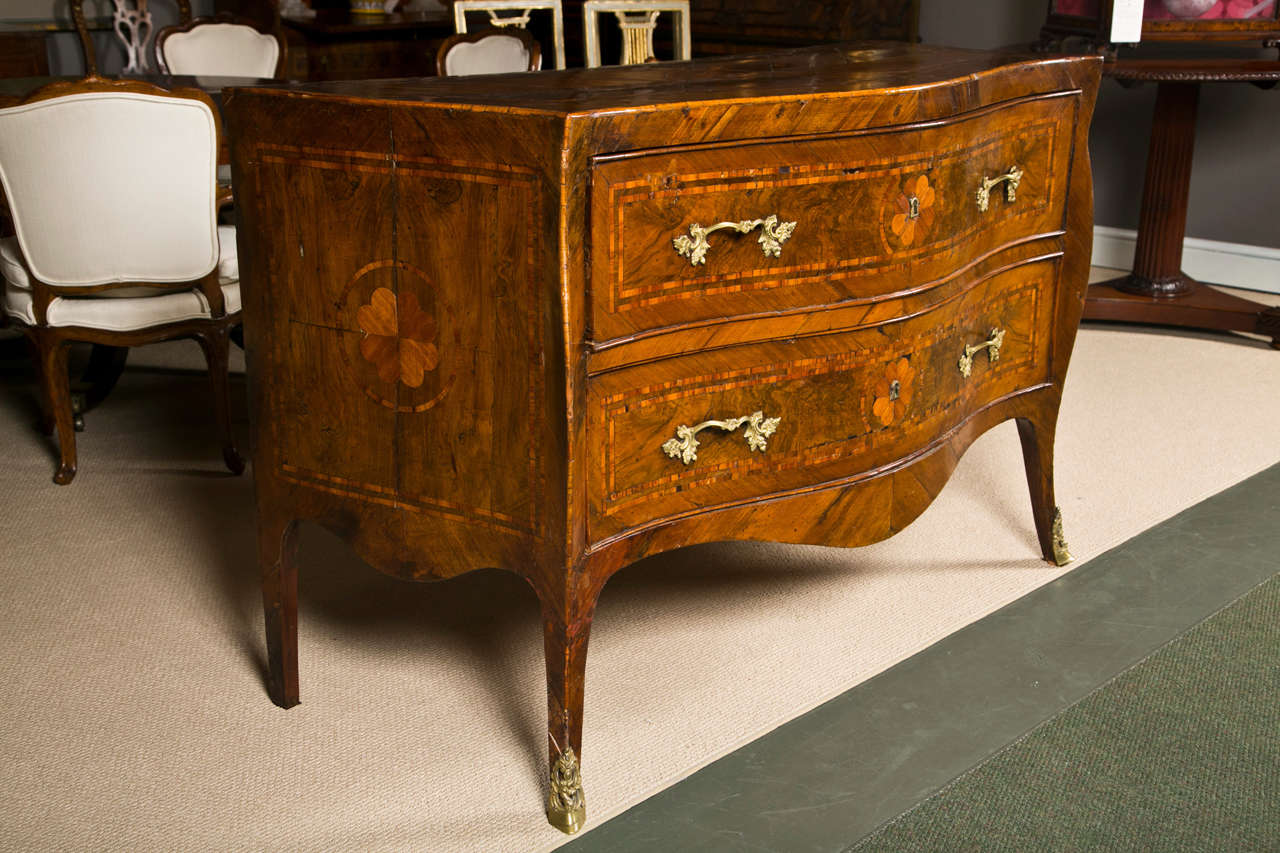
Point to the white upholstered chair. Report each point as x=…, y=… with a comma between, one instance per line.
x=220, y=47
x=490, y=51
x=110, y=187
x=637, y=19
x=513, y=14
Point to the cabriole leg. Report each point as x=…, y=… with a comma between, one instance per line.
x=277, y=555
x=56, y=391
x=1037, y=455
x=566, y=627
x=216, y=346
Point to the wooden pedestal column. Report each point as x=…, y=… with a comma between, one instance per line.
x=1158, y=291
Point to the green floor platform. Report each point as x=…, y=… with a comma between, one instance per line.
x=828, y=779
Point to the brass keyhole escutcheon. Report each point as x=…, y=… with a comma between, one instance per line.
x=895, y=389
x=913, y=208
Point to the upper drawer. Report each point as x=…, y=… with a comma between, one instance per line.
x=876, y=213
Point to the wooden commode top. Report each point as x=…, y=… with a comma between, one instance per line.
x=556, y=322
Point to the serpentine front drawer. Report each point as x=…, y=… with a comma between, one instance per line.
x=694, y=234
x=779, y=416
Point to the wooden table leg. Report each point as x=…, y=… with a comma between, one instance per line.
x=1158, y=291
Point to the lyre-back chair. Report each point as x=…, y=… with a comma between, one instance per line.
x=638, y=19
x=514, y=13
x=133, y=25
x=488, y=51
x=111, y=189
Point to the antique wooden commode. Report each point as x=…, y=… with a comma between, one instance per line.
x=557, y=322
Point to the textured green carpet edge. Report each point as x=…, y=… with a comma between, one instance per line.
x=1179, y=752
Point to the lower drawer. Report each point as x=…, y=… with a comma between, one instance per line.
x=682, y=435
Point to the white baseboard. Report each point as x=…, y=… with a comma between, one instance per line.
x=1232, y=264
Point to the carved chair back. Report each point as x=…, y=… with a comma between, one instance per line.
x=111, y=188
x=131, y=20
x=222, y=46
x=488, y=51
x=638, y=19
x=515, y=14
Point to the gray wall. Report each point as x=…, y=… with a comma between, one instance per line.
x=65, y=56
x=1235, y=184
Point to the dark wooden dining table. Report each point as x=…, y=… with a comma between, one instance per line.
x=14, y=89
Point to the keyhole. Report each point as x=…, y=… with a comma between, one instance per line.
x=913, y=208
x=894, y=388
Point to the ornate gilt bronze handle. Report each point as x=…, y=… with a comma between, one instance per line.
x=685, y=445
x=773, y=234
x=1011, y=178
x=992, y=346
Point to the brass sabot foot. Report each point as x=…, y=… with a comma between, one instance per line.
x=566, y=804
x=1061, y=555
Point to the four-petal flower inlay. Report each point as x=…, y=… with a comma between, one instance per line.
x=894, y=391
x=399, y=337
x=915, y=212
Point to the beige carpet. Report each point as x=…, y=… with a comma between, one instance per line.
x=132, y=709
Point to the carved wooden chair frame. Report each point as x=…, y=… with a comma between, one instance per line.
x=50, y=343
x=132, y=26
x=225, y=18
x=521, y=10
x=638, y=19
x=527, y=39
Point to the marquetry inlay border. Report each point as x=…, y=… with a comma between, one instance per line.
x=622, y=293
x=1022, y=358
x=520, y=178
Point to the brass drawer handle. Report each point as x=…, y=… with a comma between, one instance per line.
x=992, y=346
x=684, y=446
x=1013, y=177
x=773, y=234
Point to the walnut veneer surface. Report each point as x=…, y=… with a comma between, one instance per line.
x=473, y=343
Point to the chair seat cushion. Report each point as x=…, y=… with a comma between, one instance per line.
x=124, y=309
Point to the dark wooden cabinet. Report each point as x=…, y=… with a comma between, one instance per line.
x=23, y=53
x=338, y=45
x=748, y=26
x=557, y=322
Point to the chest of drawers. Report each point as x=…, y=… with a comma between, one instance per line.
x=557, y=322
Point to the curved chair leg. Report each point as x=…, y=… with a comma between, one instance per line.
x=216, y=346
x=44, y=421
x=566, y=627
x=1037, y=455
x=277, y=555
x=56, y=390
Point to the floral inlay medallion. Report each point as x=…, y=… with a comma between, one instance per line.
x=894, y=391
x=915, y=212
x=399, y=337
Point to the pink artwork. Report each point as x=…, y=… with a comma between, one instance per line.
x=1164, y=10
x=1085, y=8
x=1156, y=10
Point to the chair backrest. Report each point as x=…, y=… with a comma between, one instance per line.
x=490, y=51
x=514, y=14
x=637, y=19
x=219, y=47
x=112, y=181
x=132, y=23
